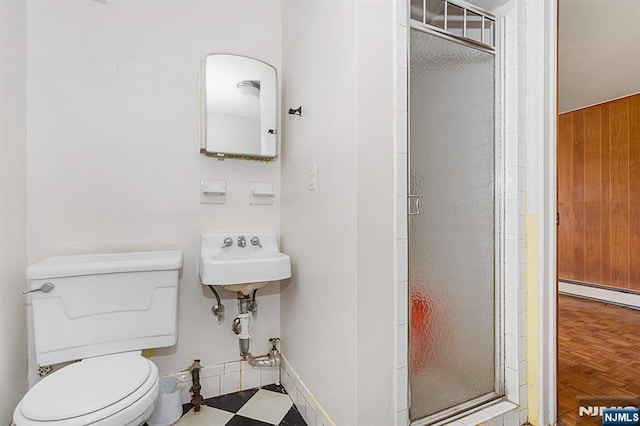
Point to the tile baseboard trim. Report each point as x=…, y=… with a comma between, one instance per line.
x=306, y=403
x=600, y=293
x=229, y=377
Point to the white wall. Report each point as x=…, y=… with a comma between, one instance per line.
x=598, y=51
x=337, y=311
x=376, y=197
x=114, y=163
x=13, y=366
x=319, y=228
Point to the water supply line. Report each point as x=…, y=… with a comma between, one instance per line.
x=270, y=359
x=218, y=308
x=253, y=304
x=196, y=398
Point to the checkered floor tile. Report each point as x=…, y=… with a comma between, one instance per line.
x=266, y=406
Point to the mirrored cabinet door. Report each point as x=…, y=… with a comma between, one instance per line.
x=241, y=107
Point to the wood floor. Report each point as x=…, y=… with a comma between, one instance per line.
x=598, y=357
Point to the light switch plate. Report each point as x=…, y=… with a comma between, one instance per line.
x=313, y=171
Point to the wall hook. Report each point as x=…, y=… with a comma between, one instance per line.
x=297, y=111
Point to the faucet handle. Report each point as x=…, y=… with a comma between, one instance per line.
x=228, y=242
x=256, y=241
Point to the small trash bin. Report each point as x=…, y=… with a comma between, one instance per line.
x=168, y=406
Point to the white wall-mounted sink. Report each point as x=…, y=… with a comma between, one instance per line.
x=245, y=268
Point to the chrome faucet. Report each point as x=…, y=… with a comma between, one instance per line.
x=228, y=242
x=242, y=241
x=256, y=241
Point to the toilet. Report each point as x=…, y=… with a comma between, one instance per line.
x=101, y=311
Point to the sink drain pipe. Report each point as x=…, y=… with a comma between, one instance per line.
x=241, y=328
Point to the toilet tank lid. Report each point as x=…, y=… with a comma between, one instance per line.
x=68, y=266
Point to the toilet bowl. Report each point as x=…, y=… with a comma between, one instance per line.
x=102, y=309
x=110, y=390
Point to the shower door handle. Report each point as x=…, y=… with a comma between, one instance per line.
x=413, y=205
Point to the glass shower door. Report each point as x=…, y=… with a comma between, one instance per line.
x=452, y=250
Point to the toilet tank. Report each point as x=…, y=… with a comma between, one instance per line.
x=104, y=303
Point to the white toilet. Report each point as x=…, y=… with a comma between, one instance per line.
x=101, y=309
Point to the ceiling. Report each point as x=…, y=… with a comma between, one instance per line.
x=599, y=51
x=488, y=5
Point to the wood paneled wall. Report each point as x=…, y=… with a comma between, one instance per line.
x=599, y=194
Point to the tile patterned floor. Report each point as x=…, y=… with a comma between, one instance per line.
x=266, y=406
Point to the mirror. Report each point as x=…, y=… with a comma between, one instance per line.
x=240, y=107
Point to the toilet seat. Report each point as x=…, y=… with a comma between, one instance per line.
x=106, y=390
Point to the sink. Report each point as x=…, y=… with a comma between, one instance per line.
x=242, y=269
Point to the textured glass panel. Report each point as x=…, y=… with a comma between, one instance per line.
x=474, y=26
x=435, y=13
x=451, y=242
x=489, y=32
x=455, y=19
x=417, y=9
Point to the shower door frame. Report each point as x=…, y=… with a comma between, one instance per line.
x=465, y=408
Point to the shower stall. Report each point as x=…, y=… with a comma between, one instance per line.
x=455, y=225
